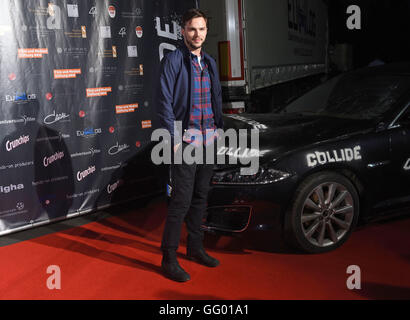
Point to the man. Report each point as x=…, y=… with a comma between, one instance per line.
x=190, y=92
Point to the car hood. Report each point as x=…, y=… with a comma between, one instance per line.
x=283, y=133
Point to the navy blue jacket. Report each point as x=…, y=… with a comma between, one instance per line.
x=175, y=97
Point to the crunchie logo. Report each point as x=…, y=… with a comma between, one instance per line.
x=112, y=187
x=83, y=174
x=89, y=132
x=20, y=97
x=10, y=145
x=49, y=160
x=11, y=188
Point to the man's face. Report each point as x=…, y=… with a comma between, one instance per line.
x=194, y=33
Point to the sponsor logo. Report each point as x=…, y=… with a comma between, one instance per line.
x=91, y=153
x=55, y=179
x=114, y=167
x=54, y=21
x=49, y=96
x=11, y=188
x=89, y=132
x=72, y=10
x=146, y=124
x=55, y=117
x=112, y=187
x=93, y=11
x=12, y=76
x=239, y=152
x=114, y=51
x=126, y=108
x=59, y=136
x=132, y=51
x=66, y=73
x=341, y=155
x=15, y=211
x=20, y=97
x=83, y=32
x=16, y=165
x=138, y=31
x=407, y=165
x=118, y=148
x=24, y=119
x=105, y=32
x=83, y=174
x=136, y=14
x=111, y=129
x=123, y=32
x=10, y=145
x=111, y=11
x=76, y=195
x=49, y=160
x=98, y=92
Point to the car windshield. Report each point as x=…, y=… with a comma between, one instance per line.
x=354, y=96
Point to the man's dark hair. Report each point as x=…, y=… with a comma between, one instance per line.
x=191, y=14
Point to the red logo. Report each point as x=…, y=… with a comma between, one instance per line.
x=12, y=76
x=49, y=96
x=138, y=31
x=81, y=114
x=111, y=129
x=111, y=11
x=138, y=144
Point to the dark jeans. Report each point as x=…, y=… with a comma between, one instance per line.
x=188, y=201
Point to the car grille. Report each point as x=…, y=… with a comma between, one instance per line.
x=231, y=219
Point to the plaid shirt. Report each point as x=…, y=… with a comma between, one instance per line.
x=201, y=121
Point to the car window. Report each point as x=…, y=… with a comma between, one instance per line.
x=353, y=95
x=404, y=119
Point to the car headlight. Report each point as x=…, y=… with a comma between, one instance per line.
x=263, y=176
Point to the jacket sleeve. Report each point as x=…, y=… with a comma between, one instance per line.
x=165, y=99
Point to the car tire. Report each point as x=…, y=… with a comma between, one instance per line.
x=323, y=213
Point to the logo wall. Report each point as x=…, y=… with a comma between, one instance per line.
x=71, y=102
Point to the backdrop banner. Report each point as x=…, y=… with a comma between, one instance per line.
x=76, y=85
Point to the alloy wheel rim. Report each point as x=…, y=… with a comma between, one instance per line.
x=327, y=214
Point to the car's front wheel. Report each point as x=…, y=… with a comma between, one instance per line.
x=323, y=214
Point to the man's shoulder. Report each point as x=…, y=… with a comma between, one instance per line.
x=175, y=55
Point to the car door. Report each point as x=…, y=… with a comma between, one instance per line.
x=400, y=156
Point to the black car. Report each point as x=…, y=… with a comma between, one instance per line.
x=336, y=154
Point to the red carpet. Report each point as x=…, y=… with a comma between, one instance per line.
x=119, y=258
